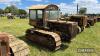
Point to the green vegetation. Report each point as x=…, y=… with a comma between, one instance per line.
x=89, y=38
x=14, y=10
x=21, y=11
x=11, y=9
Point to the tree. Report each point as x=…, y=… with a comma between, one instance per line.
x=1, y=11
x=82, y=10
x=11, y=9
x=7, y=10
x=14, y=9
x=21, y=11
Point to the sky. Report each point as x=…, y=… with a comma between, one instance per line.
x=66, y=6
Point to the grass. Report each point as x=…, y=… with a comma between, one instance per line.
x=89, y=38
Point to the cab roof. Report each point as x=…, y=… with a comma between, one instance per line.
x=38, y=7
x=41, y=6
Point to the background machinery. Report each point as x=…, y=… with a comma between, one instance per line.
x=92, y=19
x=81, y=19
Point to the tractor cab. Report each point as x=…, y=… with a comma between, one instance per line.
x=40, y=14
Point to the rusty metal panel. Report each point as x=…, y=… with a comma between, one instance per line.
x=68, y=29
x=4, y=44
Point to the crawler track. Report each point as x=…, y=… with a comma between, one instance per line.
x=17, y=47
x=45, y=38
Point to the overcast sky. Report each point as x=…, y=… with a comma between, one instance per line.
x=66, y=6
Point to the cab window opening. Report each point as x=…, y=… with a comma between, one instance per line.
x=39, y=14
x=32, y=14
x=36, y=14
x=53, y=14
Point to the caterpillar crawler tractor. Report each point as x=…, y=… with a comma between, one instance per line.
x=81, y=19
x=92, y=20
x=48, y=30
x=98, y=18
x=10, y=46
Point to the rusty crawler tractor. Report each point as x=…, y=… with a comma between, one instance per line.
x=10, y=46
x=91, y=20
x=81, y=19
x=48, y=31
x=98, y=18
